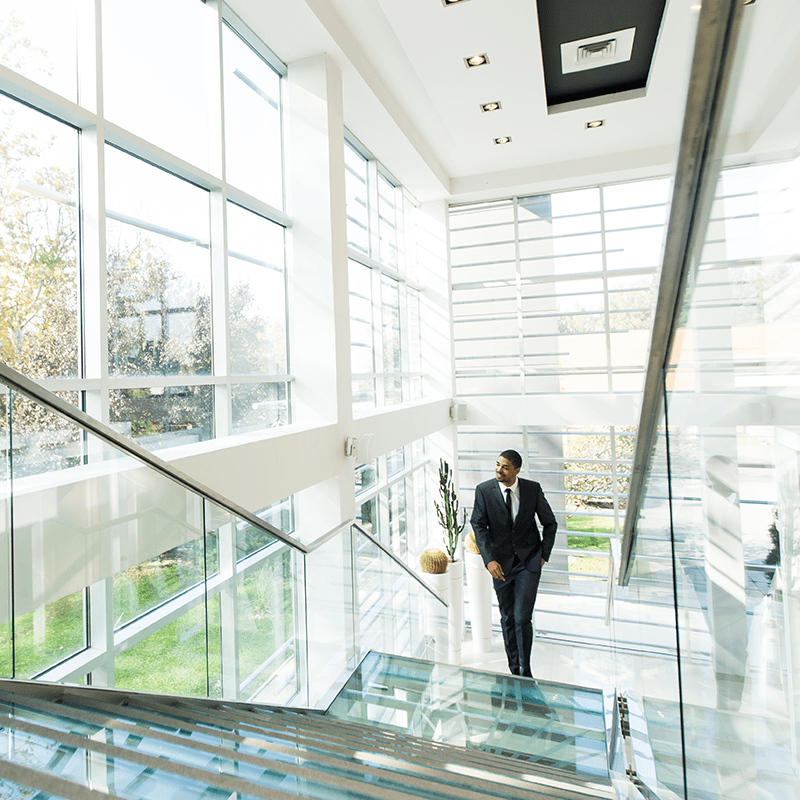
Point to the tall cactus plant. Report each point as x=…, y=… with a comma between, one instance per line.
x=447, y=510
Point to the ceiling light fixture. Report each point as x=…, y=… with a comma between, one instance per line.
x=502, y=140
x=491, y=106
x=452, y=2
x=596, y=123
x=476, y=61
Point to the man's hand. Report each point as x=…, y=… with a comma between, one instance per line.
x=543, y=562
x=495, y=570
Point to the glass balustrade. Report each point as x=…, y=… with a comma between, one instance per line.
x=114, y=573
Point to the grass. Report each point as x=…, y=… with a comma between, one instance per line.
x=585, y=538
x=584, y=527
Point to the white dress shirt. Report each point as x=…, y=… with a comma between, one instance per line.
x=514, y=497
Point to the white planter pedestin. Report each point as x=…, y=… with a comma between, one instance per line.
x=479, y=592
x=435, y=611
x=455, y=615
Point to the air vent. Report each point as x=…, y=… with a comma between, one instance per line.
x=597, y=51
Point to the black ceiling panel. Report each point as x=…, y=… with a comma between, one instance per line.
x=563, y=21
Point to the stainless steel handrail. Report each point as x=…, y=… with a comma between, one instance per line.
x=19, y=383
x=695, y=179
x=351, y=523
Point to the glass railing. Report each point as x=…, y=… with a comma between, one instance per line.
x=708, y=593
x=118, y=570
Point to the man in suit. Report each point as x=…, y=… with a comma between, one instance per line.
x=513, y=550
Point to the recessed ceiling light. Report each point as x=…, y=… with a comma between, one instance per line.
x=748, y=2
x=596, y=123
x=491, y=106
x=476, y=61
x=502, y=140
x=452, y=2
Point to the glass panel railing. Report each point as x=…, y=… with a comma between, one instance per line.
x=361, y=598
x=561, y=729
x=122, y=572
x=717, y=530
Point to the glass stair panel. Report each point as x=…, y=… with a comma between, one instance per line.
x=558, y=727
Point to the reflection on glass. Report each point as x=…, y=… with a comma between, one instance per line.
x=257, y=406
x=158, y=271
x=158, y=92
x=356, y=197
x=153, y=582
x=558, y=726
x=253, y=159
x=256, y=294
x=43, y=441
x=39, y=223
x=163, y=416
x=52, y=25
x=267, y=649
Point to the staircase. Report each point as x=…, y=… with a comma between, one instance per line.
x=84, y=743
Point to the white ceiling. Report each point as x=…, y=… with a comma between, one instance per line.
x=411, y=101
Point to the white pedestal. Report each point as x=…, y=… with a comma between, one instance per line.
x=455, y=617
x=479, y=592
x=437, y=616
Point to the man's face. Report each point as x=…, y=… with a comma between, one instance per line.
x=506, y=472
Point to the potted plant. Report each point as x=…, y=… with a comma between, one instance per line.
x=447, y=511
x=448, y=515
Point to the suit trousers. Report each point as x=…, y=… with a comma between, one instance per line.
x=515, y=598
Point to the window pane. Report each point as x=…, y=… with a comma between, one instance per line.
x=153, y=582
x=48, y=635
x=253, y=159
x=387, y=211
x=390, y=297
x=159, y=416
x=256, y=294
x=158, y=91
x=257, y=406
x=39, y=241
x=356, y=192
x=39, y=41
x=158, y=265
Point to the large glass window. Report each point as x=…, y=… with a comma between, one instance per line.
x=158, y=91
x=252, y=121
x=39, y=243
x=566, y=279
x=386, y=358
x=158, y=268
x=38, y=39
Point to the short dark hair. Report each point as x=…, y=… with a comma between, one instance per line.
x=513, y=456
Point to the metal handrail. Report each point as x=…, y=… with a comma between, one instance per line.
x=32, y=390
x=351, y=523
x=695, y=179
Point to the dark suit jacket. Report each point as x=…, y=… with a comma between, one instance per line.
x=492, y=525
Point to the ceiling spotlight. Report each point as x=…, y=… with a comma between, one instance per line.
x=476, y=61
x=491, y=106
x=748, y=2
x=502, y=140
x=596, y=123
x=452, y=2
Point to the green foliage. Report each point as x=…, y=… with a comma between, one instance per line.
x=447, y=510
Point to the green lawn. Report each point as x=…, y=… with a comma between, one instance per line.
x=588, y=526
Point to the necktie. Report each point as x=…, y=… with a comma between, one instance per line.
x=508, y=504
